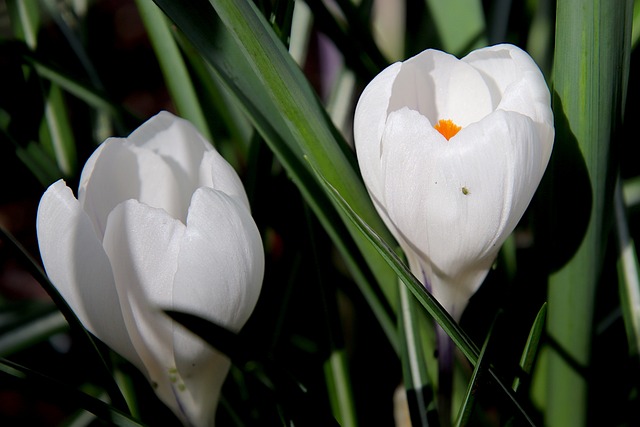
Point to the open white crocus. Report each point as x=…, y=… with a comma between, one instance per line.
x=451, y=152
x=162, y=221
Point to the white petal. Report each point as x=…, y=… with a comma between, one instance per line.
x=87, y=169
x=454, y=202
x=424, y=180
x=143, y=245
x=217, y=173
x=121, y=172
x=496, y=65
x=368, y=125
x=527, y=152
x=518, y=79
x=469, y=98
x=221, y=263
x=201, y=380
x=452, y=293
x=219, y=278
x=179, y=143
x=191, y=157
x=79, y=268
x=174, y=139
x=440, y=86
x=457, y=201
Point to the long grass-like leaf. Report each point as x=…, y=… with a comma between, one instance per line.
x=276, y=97
x=531, y=346
x=590, y=74
x=289, y=92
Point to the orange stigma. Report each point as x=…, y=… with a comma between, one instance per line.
x=447, y=128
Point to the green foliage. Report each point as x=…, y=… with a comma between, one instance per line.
x=341, y=321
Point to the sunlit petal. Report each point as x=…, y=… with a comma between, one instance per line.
x=143, y=245
x=454, y=163
x=162, y=221
x=369, y=122
x=125, y=172
x=78, y=266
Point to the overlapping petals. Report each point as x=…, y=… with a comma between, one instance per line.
x=452, y=203
x=161, y=222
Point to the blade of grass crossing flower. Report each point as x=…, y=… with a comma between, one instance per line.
x=223, y=58
x=430, y=304
x=433, y=307
x=590, y=75
x=290, y=93
x=629, y=275
x=238, y=72
x=531, y=346
x=172, y=65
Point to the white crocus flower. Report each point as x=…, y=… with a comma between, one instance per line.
x=161, y=222
x=451, y=152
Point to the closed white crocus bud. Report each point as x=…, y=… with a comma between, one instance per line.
x=162, y=221
x=451, y=152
